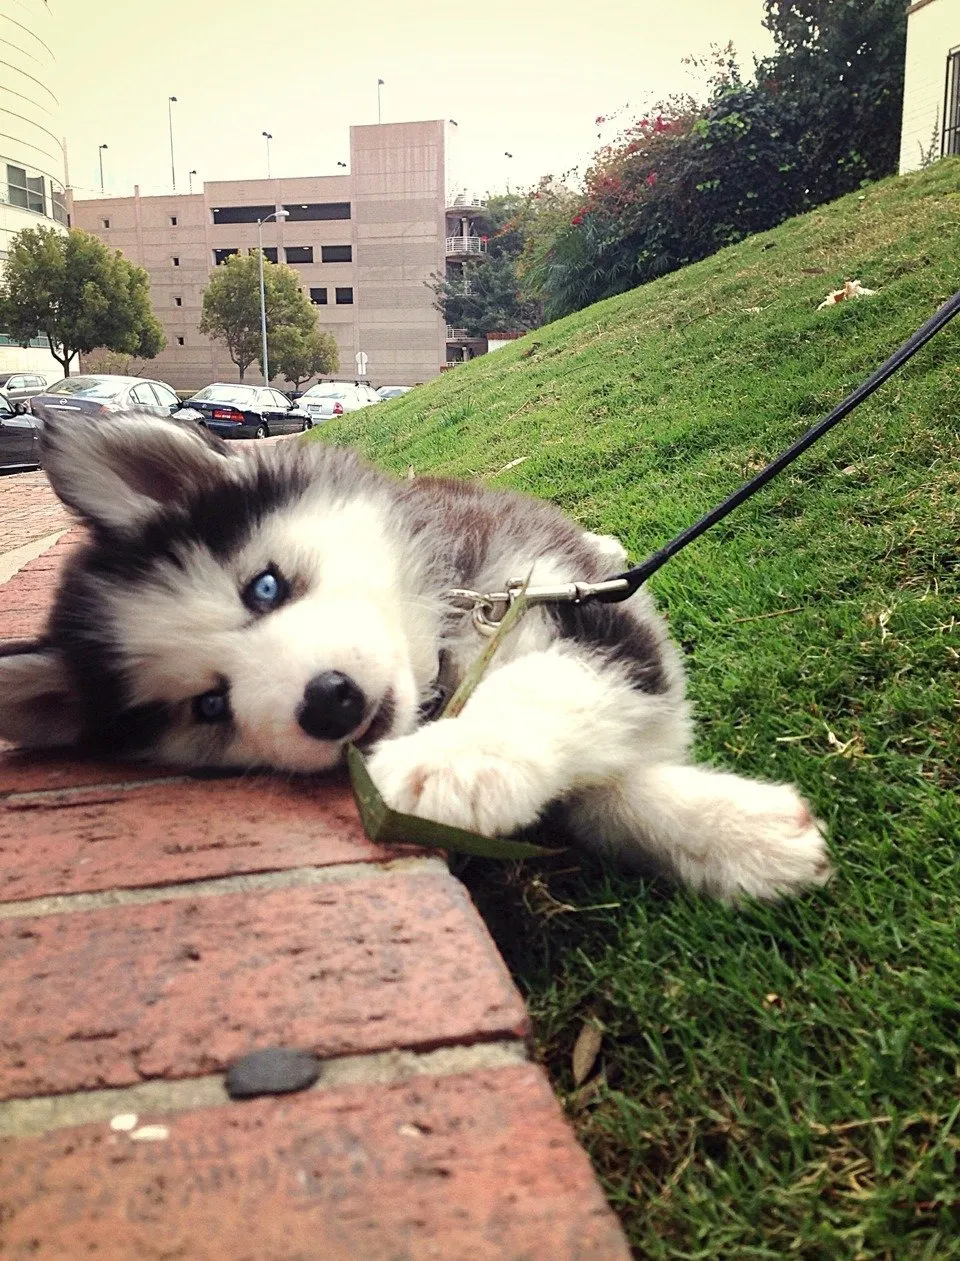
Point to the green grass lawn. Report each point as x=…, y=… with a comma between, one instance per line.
x=772, y=1080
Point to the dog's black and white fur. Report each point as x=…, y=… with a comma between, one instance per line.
x=262, y=606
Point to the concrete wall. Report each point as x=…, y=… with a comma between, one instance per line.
x=396, y=233
x=30, y=140
x=933, y=29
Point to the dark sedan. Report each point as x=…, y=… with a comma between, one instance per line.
x=247, y=411
x=19, y=439
x=102, y=394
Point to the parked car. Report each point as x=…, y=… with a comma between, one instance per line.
x=19, y=386
x=393, y=391
x=247, y=411
x=334, y=398
x=19, y=438
x=101, y=394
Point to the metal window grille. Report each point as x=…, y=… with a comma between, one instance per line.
x=951, y=106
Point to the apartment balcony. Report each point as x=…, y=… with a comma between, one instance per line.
x=457, y=334
x=465, y=246
x=464, y=204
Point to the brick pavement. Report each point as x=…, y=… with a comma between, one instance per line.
x=154, y=926
x=28, y=510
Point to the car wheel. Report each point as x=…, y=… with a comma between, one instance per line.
x=307, y=424
x=261, y=431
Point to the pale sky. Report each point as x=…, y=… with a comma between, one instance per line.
x=526, y=77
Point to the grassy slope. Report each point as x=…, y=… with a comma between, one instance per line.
x=780, y=1078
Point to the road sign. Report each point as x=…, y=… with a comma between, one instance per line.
x=362, y=361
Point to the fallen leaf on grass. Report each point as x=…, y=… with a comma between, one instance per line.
x=851, y=289
x=585, y=1052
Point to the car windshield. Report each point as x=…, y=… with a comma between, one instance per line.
x=87, y=387
x=326, y=391
x=238, y=395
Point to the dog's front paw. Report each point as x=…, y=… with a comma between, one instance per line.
x=442, y=772
x=785, y=849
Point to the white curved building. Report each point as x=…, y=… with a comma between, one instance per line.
x=32, y=174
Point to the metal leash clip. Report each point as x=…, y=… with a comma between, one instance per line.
x=489, y=608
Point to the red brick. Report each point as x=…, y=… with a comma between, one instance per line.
x=180, y=988
x=89, y=839
x=479, y=1166
x=29, y=771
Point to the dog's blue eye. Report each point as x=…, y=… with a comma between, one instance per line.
x=212, y=706
x=265, y=592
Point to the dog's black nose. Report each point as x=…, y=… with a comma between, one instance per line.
x=332, y=706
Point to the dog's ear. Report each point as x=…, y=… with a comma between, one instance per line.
x=117, y=470
x=38, y=706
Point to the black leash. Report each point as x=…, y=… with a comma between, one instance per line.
x=488, y=608
x=633, y=579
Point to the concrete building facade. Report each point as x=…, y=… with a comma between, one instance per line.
x=32, y=176
x=931, y=90
x=363, y=245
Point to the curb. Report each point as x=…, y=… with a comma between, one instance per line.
x=154, y=927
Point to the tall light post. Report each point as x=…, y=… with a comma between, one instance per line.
x=380, y=84
x=190, y=175
x=268, y=137
x=171, y=100
x=277, y=215
x=102, y=147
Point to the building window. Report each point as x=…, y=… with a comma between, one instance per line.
x=179, y=341
x=25, y=191
x=242, y=214
x=951, y=106
x=173, y=221
x=105, y=222
x=299, y=253
x=336, y=253
x=59, y=207
x=344, y=297
x=221, y=256
x=176, y=261
x=270, y=253
x=178, y=302
x=299, y=212
x=318, y=297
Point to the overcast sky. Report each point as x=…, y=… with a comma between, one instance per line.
x=528, y=77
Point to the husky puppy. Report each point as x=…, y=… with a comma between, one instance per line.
x=244, y=607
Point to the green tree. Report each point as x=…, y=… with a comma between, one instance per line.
x=483, y=294
x=840, y=66
x=231, y=309
x=298, y=355
x=72, y=290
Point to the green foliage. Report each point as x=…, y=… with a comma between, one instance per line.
x=840, y=67
x=484, y=295
x=231, y=314
x=71, y=289
x=231, y=308
x=821, y=116
x=775, y=1081
x=298, y=355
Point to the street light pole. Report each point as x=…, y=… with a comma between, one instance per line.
x=102, y=147
x=190, y=175
x=268, y=137
x=277, y=215
x=173, y=169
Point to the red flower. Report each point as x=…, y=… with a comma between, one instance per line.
x=651, y=179
x=576, y=221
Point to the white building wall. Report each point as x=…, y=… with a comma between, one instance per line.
x=933, y=29
x=30, y=142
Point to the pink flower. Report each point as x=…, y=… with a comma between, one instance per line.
x=651, y=179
